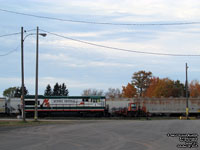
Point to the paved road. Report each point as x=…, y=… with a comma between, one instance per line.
x=98, y=135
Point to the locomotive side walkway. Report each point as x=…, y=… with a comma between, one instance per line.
x=100, y=135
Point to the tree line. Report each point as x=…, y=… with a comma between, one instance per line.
x=58, y=90
x=144, y=84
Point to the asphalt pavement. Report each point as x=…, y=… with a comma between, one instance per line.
x=103, y=135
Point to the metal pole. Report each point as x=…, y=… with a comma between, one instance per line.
x=186, y=88
x=22, y=71
x=36, y=76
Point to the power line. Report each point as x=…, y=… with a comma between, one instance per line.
x=16, y=33
x=1, y=55
x=101, y=23
x=10, y=34
x=11, y=51
x=119, y=49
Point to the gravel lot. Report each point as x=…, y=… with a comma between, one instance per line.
x=99, y=135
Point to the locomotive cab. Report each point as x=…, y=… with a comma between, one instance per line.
x=135, y=109
x=132, y=107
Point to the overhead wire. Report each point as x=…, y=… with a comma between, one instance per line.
x=100, y=23
x=16, y=33
x=10, y=34
x=11, y=51
x=120, y=49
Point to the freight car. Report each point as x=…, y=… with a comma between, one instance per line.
x=100, y=106
x=153, y=106
x=66, y=105
x=125, y=107
x=10, y=107
x=2, y=106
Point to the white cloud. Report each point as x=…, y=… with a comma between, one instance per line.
x=157, y=10
x=168, y=42
x=79, y=56
x=65, y=60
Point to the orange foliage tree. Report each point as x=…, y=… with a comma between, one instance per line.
x=164, y=88
x=150, y=92
x=194, y=88
x=129, y=91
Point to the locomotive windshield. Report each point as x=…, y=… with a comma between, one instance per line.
x=133, y=106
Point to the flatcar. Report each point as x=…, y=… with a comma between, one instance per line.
x=66, y=105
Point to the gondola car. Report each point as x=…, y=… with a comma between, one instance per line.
x=66, y=105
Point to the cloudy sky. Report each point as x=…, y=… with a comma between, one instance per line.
x=83, y=66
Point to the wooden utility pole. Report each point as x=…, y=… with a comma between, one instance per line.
x=22, y=74
x=186, y=88
x=36, y=76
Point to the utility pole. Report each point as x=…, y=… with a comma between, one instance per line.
x=186, y=88
x=36, y=76
x=22, y=71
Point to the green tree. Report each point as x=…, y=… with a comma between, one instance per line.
x=10, y=92
x=48, y=91
x=141, y=80
x=63, y=90
x=60, y=90
x=18, y=91
x=178, y=89
x=56, y=90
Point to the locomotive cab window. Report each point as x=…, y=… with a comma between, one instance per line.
x=133, y=106
x=31, y=102
x=85, y=100
x=94, y=100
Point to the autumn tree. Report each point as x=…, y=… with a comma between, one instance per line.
x=129, y=91
x=165, y=88
x=113, y=93
x=151, y=92
x=92, y=92
x=141, y=80
x=194, y=88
